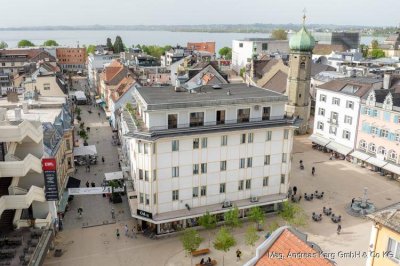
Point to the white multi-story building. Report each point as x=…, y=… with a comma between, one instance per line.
x=191, y=151
x=243, y=50
x=96, y=64
x=337, y=112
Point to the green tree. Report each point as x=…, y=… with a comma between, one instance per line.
x=109, y=44
x=3, y=45
x=154, y=50
x=50, y=43
x=377, y=53
x=91, y=49
x=364, y=50
x=225, y=52
x=231, y=218
x=242, y=72
x=118, y=45
x=256, y=215
x=209, y=222
x=191, y=240
x=279, y=34
x=374, y=44
x=224, y=240
x=292, y=213
x=251, y=237
x=25, y=43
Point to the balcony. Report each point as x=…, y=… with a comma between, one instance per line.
x=17, y=131
x=17, y=167
x=22, y=201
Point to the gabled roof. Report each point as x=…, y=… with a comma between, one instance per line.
x=207, y=76
x=277, y=82
x=112, y=70
x=122, y=87
x=362, y=85
x=389, y=217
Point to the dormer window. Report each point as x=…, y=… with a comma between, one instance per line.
x=388, y=103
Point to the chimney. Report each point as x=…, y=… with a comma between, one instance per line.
x=17, y=114
x=177, y=85
x=386, y=81
x=3, y=112
x=25, y=108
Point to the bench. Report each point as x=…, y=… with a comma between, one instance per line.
x=213, y=262
x=200, y=252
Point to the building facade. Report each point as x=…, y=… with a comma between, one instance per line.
x=95, y=65
x=205, y=150
x=349, y=40
x=71, y=59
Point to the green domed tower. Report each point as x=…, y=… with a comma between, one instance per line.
x=298, y=85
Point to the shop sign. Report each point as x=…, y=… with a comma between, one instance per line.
x=49, y=166
x=145, y=214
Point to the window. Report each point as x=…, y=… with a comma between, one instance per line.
x=381, y=150
x=321, y=111
x=195, y=192
x=204, y=142
x=222, y=188
x=336, y=101
x=397, y=137
x=394, y=249
x=172, y=121
x=154, y=175
x=204, y=168
x=46, y=86
x=334, y=118
x=223, y=165
x=242, y=138
x=146, y=175
x=196, y=142
x=348, y=119
x=154, y=148
x=248, y=183
x=266, y=113
x=346, y=134
x=175, y=145
x=384, y=133
x=175, y=171
x=282, y=179
x=374, y=130
x=249, y=162
x=372, y=148
x=155, y=198
x=350, y=104
x=220, y=117
x=147, y=197
x=242, y=163
x=140, y=174
x=269, y=135
x=240, y=185
x=373, y=112
x=264, y=46
x=224, y=140
x=241, y=45
x=195, y=169
x=175, y=195
x=141, y=198
x=267, y=159
x=139, y=147
x=392, y=156
x=265, y=181
x=332, y=130
x=322, y=98
x=203, y=191
x=243, y=115
x=68, y=144
x=363, y=145
x=196, y=119
x=286, y=134
x=250, y=137
x=284, y=157
x=320, y=125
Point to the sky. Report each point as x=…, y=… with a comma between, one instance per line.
x=173, y=12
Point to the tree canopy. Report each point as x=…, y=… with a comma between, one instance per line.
x=154, y=50
x=279, y=34
x=50, y=43
x=25, y=43
x=209, y=222
x=231, y=218
x=191, y=240
x=251, y=236
x=118, y=45
x=364, y=50
x=224, y=240
x=91, y=49
x=225, y=52
x=256, y=215
x=109, y=44
x=377, y=53
x=292, y=213
x=3, y=45
x=374, y=44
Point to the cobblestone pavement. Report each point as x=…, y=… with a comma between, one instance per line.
x=340, y=180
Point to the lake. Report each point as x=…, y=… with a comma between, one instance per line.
x=71, y=38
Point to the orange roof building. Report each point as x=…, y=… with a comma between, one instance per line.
x=288, y=247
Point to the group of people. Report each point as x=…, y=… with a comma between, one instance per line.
x=302, y=167
x=206, y=262
x=92, y=184
x=128, y=233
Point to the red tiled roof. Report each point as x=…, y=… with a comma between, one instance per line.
x=122, y=88
x=287, y=243
x=112, y=70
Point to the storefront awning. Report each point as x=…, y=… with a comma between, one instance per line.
x=333, y=145
x=113, y=176
x=360, y=155
x=319, y=140
x=62, y=203
x=73, y=182
x=375, y=161
x=85, y=150
x=392, y=168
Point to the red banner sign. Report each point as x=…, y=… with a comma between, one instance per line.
x=49, y=164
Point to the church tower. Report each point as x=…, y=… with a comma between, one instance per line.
x=298, y=85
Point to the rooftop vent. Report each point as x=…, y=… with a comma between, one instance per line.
x=217, y=87
x=17, y=114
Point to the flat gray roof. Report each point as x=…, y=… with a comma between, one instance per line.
x=167, y=98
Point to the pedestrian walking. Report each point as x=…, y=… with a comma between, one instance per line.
x=126, y=230
x=238, y=255
x=134, y=232
x=117, y=233
x=87, y=183
x=352, y=202
x=294, y=190
x=93, y=184
x=290, y=192
x=112, y=213
x=339, y=228
x=313, y=170
x=98, y=114
x=102, y=159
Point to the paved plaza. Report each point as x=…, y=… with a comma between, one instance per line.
x=340, y=180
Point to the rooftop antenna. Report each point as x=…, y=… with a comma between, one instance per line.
x=304, y=16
